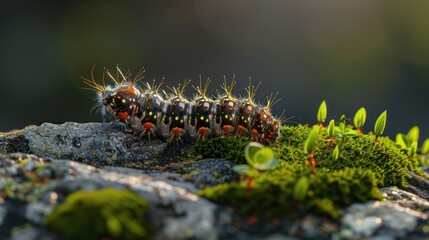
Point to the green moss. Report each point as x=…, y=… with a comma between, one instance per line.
x=108, y=213
x=272, y=192
x=230, y=148
x=362, y=166
x=387, y=161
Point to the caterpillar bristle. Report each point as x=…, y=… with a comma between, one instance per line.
x=251, y=90
x=139, y=76
x=145, y=112
x=117, y=83
x=180, y=89
x=228, y=88
x=93, y=85
x=272, y=99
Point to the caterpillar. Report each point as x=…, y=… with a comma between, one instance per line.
x=145, y=110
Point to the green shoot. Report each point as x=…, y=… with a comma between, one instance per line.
x=301, y=188
x=309, y=145
x=335, y=153
x=425, y=147
x=322, y=113
x=413, y=134
x=331, y=132
x=310, y=142
x=413, y=149
x=380, y=124
x=359, y=119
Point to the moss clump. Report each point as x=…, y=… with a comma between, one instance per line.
x=220, y=147
x=387, y=161
x=354, y=175
x=275, y=192
x=108, y=213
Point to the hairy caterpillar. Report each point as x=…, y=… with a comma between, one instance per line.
x=148, y=112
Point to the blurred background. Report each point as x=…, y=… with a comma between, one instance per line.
x=350, y=53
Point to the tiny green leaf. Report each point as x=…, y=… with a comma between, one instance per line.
x=301, y=188
x=322, y=112
x=251, y=149
x=264, y=159
x=310, y=142
x=331, y=128
x=425, y=147
x=350, y=132
x=335, y=153
x=360, y=118
x=244, y=169
x=401, y=141
x=413, y=149
x=343, y=120
x=380, y=124
x=260, y=157
x=413, y=134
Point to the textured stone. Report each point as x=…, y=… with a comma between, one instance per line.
x=97, y=144
x=70, y=157
x=404, y=214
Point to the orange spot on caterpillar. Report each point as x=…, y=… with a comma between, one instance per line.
x=122, y=116
x=202, y=132
x=129, y=89
x=241, y=130
x=254, y=134
x=227, y=130
x=148, y=126
x=176, y=131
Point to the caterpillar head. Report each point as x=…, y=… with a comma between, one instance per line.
x=117, y=101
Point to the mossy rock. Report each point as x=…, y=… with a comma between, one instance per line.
x=383, y=157
x=103, y=214
x=363, y=165
x=276, y=192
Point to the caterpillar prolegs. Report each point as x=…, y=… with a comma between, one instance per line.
x=147, y=111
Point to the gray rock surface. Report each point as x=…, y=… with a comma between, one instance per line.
x=174, y=207
x=97, y=144
x=62, y=159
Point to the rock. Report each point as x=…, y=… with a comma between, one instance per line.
x=34, y=233
x=402, y=215
x=418, y=185
x=97, y=144
x=62, y=159
x=174, y=209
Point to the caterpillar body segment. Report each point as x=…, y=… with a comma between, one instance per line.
x=226, y=110
x=203, y=111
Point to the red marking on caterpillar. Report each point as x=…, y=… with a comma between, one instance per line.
x=147, y=112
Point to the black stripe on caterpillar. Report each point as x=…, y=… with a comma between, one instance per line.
x=148, y=112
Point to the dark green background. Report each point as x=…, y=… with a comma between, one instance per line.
x=350, y=53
